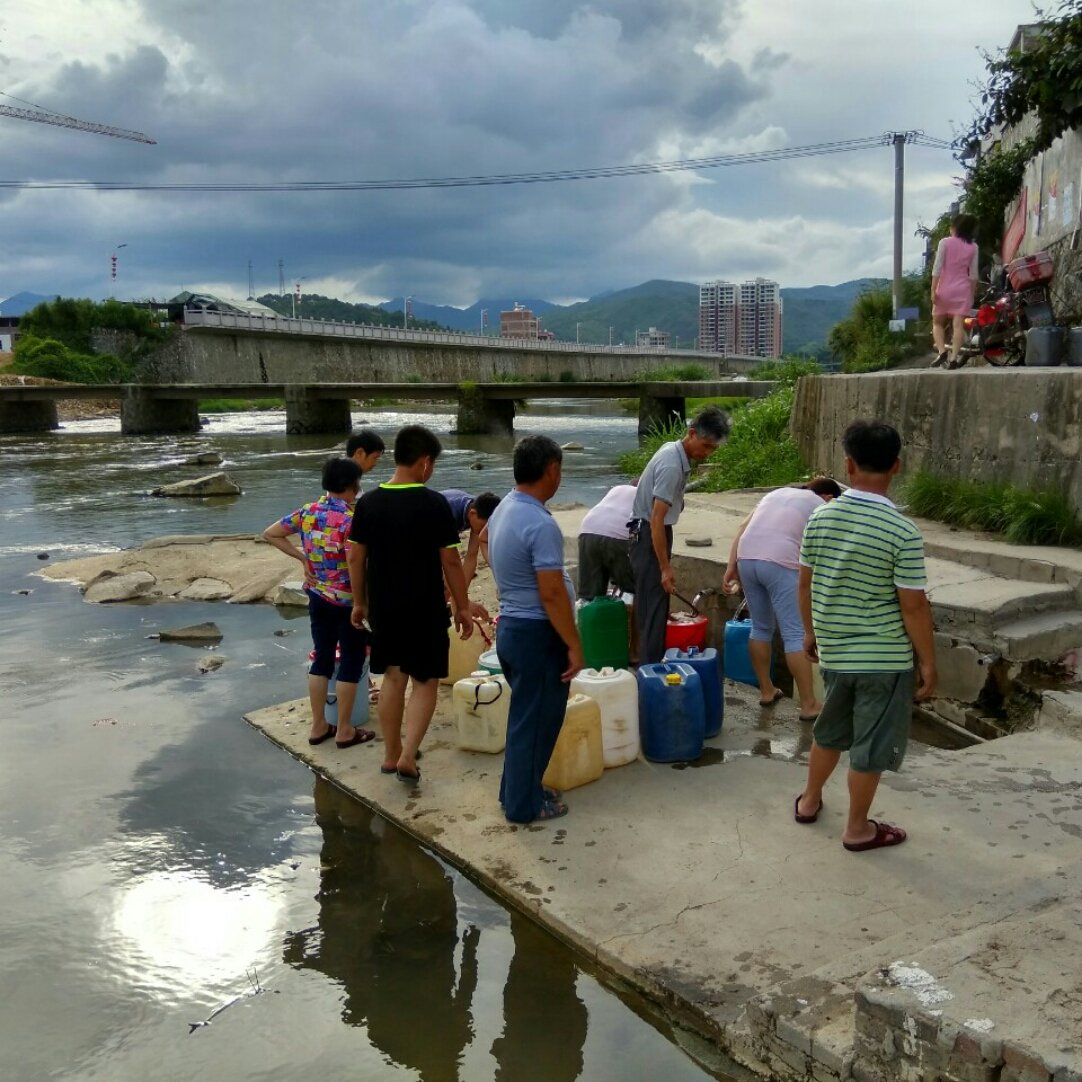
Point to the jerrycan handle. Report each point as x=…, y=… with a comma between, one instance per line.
x=478, y=701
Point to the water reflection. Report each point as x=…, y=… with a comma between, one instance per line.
x=544, y=1021
x=388, y=934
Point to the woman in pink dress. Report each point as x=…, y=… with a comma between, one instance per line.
x=954, y=276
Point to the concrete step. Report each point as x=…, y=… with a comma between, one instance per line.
x=972, y=604
x=1047, y=635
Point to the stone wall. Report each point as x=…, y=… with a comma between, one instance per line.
x=205, y=356
x=1022, y=426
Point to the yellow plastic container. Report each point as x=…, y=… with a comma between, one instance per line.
x=464, y=656
x=616, y=693
x=578, y=757
x=481, y=702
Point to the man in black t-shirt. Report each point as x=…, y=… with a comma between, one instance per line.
x=404, y=544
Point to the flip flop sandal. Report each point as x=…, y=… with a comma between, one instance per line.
x=361, y=736
x=394, y=769
x=805, y=818
x=408, y=779
x=551, y=809
x=331, y=730
x=773, y=702
x=809, y=717
x=885, y=837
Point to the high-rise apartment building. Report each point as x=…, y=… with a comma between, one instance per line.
x=717, y=317
x=759, y=319
x=743, y=320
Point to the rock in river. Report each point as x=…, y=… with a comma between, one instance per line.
x=206, y=632
x=204, y=458
x=214, y=484
x=212, y=663
x=206, y=590
x=290, y=595
x=108, y=587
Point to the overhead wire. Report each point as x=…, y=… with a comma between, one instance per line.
x=722, y=161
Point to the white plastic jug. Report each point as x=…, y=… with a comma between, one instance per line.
x=577, y=758
x=463, y=657
x=616, y=693
x=480, y=704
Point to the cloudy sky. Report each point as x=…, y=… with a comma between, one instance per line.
x=236, y=90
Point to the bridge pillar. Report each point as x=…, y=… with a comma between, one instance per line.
x=478, y=415
x=143, y=414
x=307, y=415
x=658, y=412
x=28, y=417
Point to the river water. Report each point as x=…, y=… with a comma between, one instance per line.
x=180, y=899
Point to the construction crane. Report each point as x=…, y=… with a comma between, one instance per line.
x=42, y=116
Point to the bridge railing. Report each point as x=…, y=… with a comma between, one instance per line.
x=262, y=324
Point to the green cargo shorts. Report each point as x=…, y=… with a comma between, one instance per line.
x=867, y=714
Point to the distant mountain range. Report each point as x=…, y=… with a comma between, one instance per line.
x=809, y=313
x=21, y=303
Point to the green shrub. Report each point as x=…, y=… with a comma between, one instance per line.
x=51, y=359
x=1023, y=516
x=787, y=370
x=758, y=453
x=72, y=322
x=864, y=343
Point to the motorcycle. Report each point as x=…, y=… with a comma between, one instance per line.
x=1017, y=299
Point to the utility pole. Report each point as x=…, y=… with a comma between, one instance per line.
x=899, y=139
x=281, y=278
x=251, y=282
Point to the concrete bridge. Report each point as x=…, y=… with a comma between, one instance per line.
x=218, y=347
x=324, y=408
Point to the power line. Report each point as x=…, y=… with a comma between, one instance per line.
x=755, y=157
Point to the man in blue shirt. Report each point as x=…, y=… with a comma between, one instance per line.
x=537, y=641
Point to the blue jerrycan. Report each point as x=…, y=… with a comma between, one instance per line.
x=705, y=663
x=671, y=712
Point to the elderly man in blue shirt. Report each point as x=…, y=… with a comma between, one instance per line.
x=659, y=499
x=537, y=641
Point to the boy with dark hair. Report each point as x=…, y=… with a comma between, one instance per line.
x=403, y=545
x=536, y=640
x=324, y=528
x=472, y=513
x=365, y=447
x=865, y=610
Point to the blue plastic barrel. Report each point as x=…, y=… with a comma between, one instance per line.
x=671, y=713
x=705, y=663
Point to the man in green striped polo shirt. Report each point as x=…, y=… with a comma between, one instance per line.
x=865, y=613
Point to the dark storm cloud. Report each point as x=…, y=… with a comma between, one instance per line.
x=368, y=90
x=330, y=89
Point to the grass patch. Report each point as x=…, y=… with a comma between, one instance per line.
x=1023, y=516
x=240, y=405
x=675, y=374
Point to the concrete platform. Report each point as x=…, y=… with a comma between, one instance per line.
x=692, y=882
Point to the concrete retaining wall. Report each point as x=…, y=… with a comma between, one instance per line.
x=1022, y=426
x=205, y=356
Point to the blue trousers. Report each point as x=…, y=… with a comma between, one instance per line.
x=532, y=657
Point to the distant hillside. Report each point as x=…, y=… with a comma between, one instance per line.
x=316, y=306
x=21, y=303
x=810, y=313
